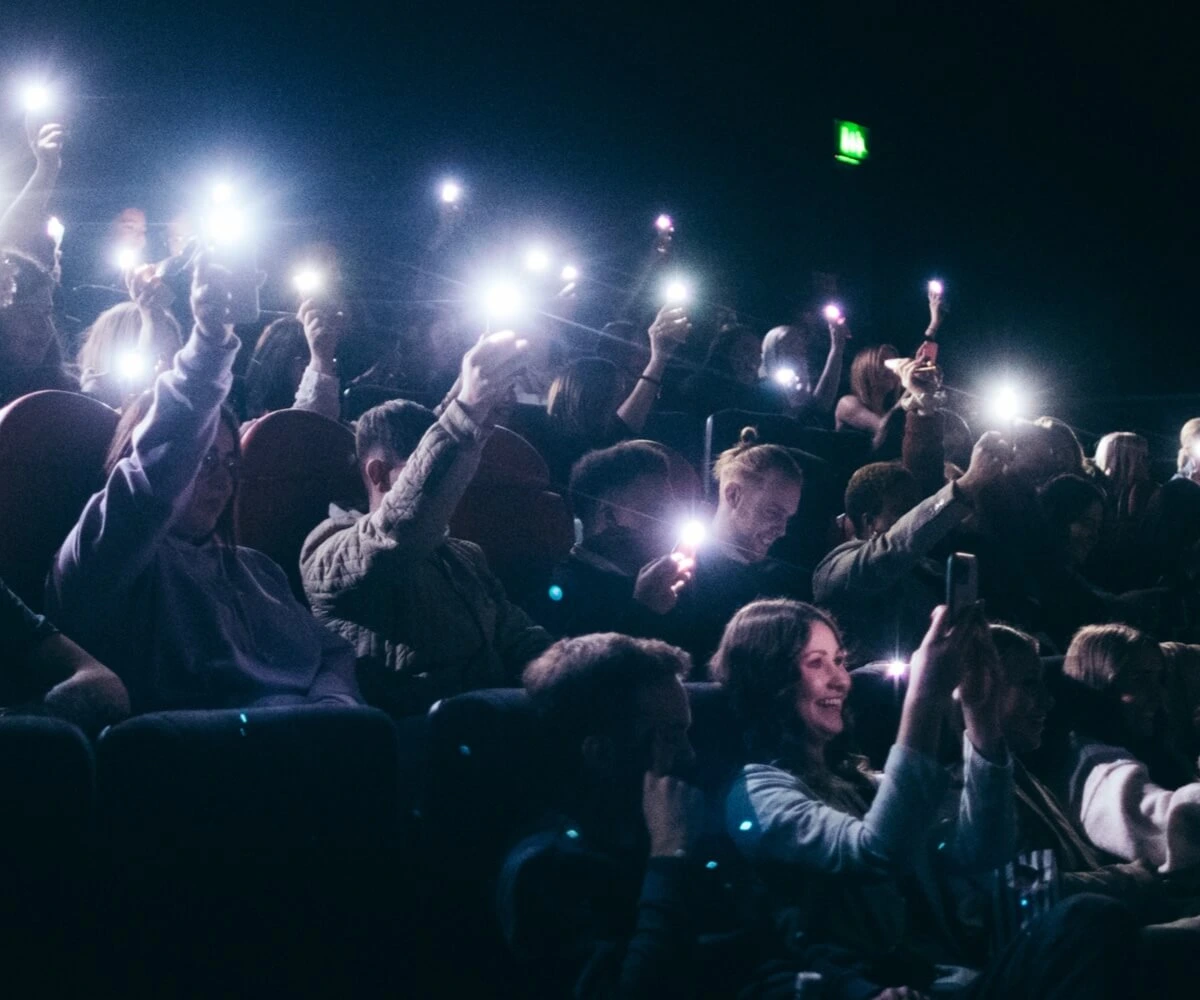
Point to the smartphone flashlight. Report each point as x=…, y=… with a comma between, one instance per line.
x=786, y=377
x=936, y=287
x=225, y=226
x=221, y=193
x=308, y=281
x=896, y=669
x=126, y=258
x=450, y=192
x=537, y=260
x=570, y=273
x=664, y=223
x=503, y=301
x=55, y=229
x=131, y=366
x=832, y=313
x=692, y=534
x=676, y=292
x=36, y=98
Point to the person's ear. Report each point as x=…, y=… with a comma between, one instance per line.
x=731, y=493
x=845, y=527
x=606, y=516
x=377, y=472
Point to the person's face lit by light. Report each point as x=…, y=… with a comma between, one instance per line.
x=212, y=489
x=754, y=514
x=823, y=685
x=129, y=228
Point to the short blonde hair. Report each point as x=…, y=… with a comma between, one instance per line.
x=1124, y=457
x=1100, y=654
x=751, y=462
x=1189, y=431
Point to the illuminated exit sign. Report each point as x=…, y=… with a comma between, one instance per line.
x=852, y=142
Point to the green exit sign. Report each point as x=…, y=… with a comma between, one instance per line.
x=852, y=142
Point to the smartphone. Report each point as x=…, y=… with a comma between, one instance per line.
x=962, y=582
x=928, y=351
x=242, y=264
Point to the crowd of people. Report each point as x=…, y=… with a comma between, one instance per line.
x=1056, y=716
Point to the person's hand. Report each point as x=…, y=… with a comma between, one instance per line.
x=48, y=145
x=935, y=309
x=936, y=667
x=489, y=371
x=899, y=993
x=982, y=678
x=660, y=581
x=670, y=329
x=839, y=332
x=148, y=291
x=324, y=328
x=917, y=377
x=210, y=298
x=989, y=458
x=674, y=814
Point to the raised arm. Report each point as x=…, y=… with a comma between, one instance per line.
x=25, y=216
x=670, y=329
x=121, y=526
x=320, y=386
x=825, y=394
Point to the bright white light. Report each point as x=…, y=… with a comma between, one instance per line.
x=222, y=193
x=131, y=366
x=1005, y=404
x=126, y=258
x=36, y=98
x=785, y=376
x=897, y=669
x=537, y=260
x=55, y=229
x=308, y=281
x=503, y=301
x=225, y=225
x=832, y=313
x=693, y=534
x=676, y=292
x=451, y=192
x=936, y=287
x=664, y=223
x=570, y=273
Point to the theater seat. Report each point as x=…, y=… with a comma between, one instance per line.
x=52, y=448
x=253, y=781
x=255, y=853
x=508, y=510
x=294, y=465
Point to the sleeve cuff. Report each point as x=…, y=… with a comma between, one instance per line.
x=460, y=425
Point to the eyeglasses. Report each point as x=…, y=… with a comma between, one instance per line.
x=212, y=461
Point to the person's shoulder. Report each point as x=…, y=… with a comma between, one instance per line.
x=336, y=523
x=545, y=869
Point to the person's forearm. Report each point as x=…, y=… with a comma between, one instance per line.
x=22, y=218
x=825, y=394
x=984, y=731
x=634, y=411
x=921, y=720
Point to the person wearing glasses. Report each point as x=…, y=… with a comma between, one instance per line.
x=150, y=578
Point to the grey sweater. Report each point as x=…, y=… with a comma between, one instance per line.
x=187, y=625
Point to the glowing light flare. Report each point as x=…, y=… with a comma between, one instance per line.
x=55, y=229
x=308, y=281
x=1005, y=403
x=664, y=223
x=450, y=192
x=132, y=366
x=832, y=313
x=221, y=192
x=936, y=287
x=225, y=225
x=537, y=260
x=786, y=377
x=570, y=273
x=36, y=98
x=897, y=669
x=692, y=534
x=126, y=258
x=676, y=292
x=503, y=300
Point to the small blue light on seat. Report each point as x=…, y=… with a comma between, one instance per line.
x=243, y=718
x=465, y=750
x=710, y=865
x=572, y=835
x=555, y=593
x=745, y=825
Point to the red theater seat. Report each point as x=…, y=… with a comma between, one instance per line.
x=52, y=448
